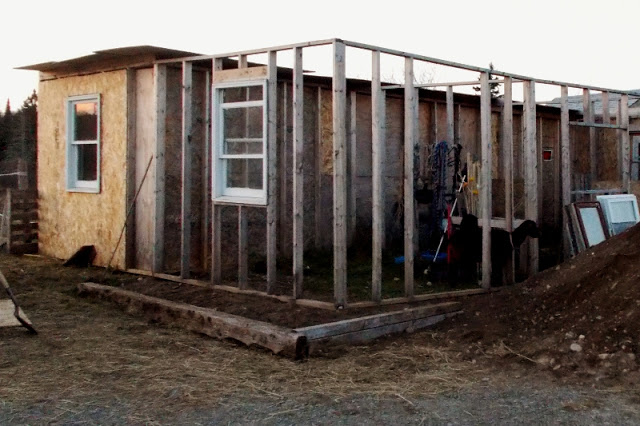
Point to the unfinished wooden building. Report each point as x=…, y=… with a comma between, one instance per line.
x=236, y=170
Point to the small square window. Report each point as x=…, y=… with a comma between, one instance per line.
x=83, y=143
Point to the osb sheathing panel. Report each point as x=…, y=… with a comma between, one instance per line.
x=69, y=220
x=173, y=170
x=607, y=154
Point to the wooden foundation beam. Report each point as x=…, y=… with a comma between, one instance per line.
x=530, y=168
x=298, y=173
x=160, y=75
x=187, y=160
x=485, y=191
x=369, y=323
x=410, y=140
x=272, y=162
x=377, y=156
x=213, y=323
x=339, y=175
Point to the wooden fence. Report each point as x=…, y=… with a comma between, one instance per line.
x=19, y=221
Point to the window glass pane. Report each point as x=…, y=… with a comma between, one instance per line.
x=243, y=173
x=242, y=122
x=592, y=225
x=87, y=161
x=85, y=121
x=243, y=147
x=254, y=122
x=241, y=94
x=234, y=123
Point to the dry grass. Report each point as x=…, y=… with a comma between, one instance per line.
x=90, y=353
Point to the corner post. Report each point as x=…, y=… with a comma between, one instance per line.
x=339, y=174
x=298, y=175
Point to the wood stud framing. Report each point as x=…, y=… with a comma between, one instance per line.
x=530, y=167
x=243, y=238
x=507, y=147
x=160, y=75
x=344, y=119
x=450, y=116
x=206, y=177
x=298, y=188
x=587, y=107
x=318, y=172
x=377, y=184
x=565, y=146
x=272, y=176
x=187, y=160
x=130, y=236
x=216, y=213
x=339, y=175
x=243, y=248
x=410, y=119
x=485, y=191
x=352, y=165
x=565, y=169
x=625, y=146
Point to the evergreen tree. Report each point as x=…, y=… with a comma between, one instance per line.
x=494, y=88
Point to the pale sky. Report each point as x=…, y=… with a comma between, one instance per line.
x=588, y=42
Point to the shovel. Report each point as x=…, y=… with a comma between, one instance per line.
x=16, y=313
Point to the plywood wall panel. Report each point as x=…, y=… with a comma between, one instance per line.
x=69, y=220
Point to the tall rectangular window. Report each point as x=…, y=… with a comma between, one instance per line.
x=239, y=141
x=83, y=143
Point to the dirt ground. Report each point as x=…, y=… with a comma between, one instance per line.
x=497, y=363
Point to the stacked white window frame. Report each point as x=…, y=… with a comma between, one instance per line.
x=239, y=136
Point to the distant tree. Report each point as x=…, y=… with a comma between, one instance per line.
x=18, y=134
x=493, y=87
x=6, y=131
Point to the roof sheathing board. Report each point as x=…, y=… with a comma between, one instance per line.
x=105, y=60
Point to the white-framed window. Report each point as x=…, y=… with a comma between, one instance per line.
x=83, y=143
x=239, y=136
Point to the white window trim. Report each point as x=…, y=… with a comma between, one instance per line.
x=71, y=169
x=221, y=192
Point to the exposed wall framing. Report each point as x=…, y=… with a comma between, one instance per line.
x=508, y=138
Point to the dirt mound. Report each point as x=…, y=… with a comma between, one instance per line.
x=582, y=316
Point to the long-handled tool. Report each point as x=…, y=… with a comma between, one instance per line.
x=455, y=202
x=16, y=312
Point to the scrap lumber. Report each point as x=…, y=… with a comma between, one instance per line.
x=212, y=323
x=363, y=329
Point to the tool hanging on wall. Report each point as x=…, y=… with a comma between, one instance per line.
x=439, y=183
